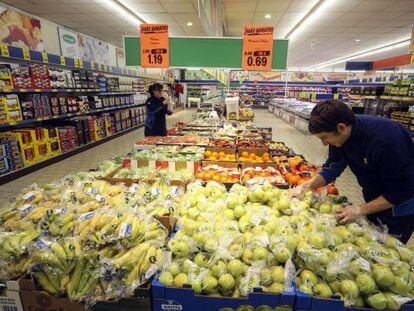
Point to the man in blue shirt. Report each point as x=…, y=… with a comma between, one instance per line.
x=380, y=152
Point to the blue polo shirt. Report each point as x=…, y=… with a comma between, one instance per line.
x=380, y=152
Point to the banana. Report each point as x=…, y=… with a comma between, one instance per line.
x=60, y=254
x=75, y=279
x=131, y=255
x=29, y=236
x=45, y=283
x=48, y=257
x=54, y=279
x=67, y=228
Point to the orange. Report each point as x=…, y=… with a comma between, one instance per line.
x=266, y=154
x=222, y=154
x=215, y=154
x=252, y=156
x=207, y=154
x=245, y=154
x=223, y=174
x=212, y=158
x=216, y=178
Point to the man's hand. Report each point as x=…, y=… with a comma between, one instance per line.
x=299, y=191
x=349, y=214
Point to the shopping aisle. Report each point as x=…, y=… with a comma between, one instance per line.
x=83, y=161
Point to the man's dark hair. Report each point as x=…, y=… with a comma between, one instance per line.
x=155, y=87
x=326, y=115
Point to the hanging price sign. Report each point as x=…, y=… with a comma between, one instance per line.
x=257, y=48
x=155, y=46
x=62, y=60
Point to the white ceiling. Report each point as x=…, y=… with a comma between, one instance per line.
x=332, y=33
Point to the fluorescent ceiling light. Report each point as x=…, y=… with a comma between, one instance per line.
x=189, y=24
x=370, y=52
x=357, y=40
x=125, y=10
x=310, y=17
x=268, y=16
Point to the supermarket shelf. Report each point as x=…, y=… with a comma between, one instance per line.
x=65, y=90
x=16, y=54
x=68, y=115
x=398, y=98
x=37, y=166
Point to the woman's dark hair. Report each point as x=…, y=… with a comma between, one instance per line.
x=155, y=87
x=326, y=115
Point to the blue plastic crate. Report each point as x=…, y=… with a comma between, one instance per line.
x=306, y=302
x=172, y=298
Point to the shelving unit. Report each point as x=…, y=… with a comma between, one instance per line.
x=106, y=109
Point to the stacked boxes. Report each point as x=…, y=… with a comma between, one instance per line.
x=68, y=138
x=10, y=109
x=11, y=158
x=21, y=77
x=40, y=76
x=5, y=77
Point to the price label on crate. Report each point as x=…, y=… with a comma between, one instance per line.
x=257, y=47
x=93, y=66
x=45, y=58
x=62, y=60
x=110, y=69
x=155, y=46
x=4, y=49
x=80, y=63
x=76, y=62
x=26, y=53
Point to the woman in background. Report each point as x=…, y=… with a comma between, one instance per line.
x=157, y=108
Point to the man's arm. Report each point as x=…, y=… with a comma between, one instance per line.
x=354, y=212
x=333, y=167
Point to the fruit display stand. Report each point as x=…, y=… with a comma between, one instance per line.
x=261, y=173
x=224, y=172
x=173, y=298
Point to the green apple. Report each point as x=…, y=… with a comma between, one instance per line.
x=200, y=238
x=359, y=302
x=349, y=289
x=278, y=274
x=377, y=301
x=359, y=266
x=383, y=275
x=400, y=286
x=282, y=254
x=180, y=249
x=247, y=256
x=306, y=288
x=406, y=254
x=400, y=268
x=210, y=246
x=325, y=208
x=266, y=276
x=201, y=260
x=180, y=280
x=336, y=208
x=193, y=213
x=236, y=267
x=317, y=239
x=392, y=303
x=356, y=229
x=366, y=284
x=232, y=201
x=307, y=276
x=166, y=278
x=236, y=250
x=218, y=269
x=188, y=266
x=276, y=288
x=210, y=284
x=174, y=268
x=189, y=226
x=226, y=281
x=196, y=286
x=270, y=227
x=229, y=213
x=322, y=290
x=334, y=285
x=283, y=203
x=260, y=253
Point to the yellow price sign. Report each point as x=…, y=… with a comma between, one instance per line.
x=412, y=58
x=313, y=97
x=62, y=60
x=336, y=96
x=4, y=49
x=110, y=68
x=80, y=63
x=93, y=66
x=76, y=62
x=45, y=57
x=26, y=53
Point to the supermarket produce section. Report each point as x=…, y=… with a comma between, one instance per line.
x=201, y=219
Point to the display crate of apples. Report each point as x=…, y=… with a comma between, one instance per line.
x=251, y=248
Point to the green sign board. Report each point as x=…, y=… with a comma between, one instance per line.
x=205, y=52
